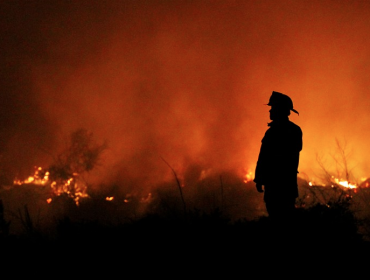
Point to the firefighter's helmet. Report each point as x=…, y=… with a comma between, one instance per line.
x=281, y=100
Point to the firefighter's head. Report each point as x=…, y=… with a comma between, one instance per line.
x=281, y=105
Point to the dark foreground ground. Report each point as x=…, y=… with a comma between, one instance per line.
x=170, y=247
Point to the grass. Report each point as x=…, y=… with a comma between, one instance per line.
x=216, y=225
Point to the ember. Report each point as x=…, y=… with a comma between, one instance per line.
x=72, y=187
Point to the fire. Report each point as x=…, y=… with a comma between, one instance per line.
x=342, y=183
x=37, y=178
x=346, y=184
x=73, y=187
x=248, y=177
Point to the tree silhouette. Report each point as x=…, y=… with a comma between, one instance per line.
x=80, y=156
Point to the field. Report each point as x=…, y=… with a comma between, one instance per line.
x=207, y=224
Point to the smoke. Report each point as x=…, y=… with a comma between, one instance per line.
x=185, y=81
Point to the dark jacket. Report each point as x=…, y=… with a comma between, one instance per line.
x=277, y=165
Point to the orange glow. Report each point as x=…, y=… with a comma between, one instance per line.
x=249, y=176
x=347, y=184
x=186, y=82
x=72, y=187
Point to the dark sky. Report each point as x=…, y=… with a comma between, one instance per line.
x=183, y=80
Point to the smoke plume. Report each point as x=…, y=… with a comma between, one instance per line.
x=184, y=81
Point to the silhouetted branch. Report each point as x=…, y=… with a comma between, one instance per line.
x=178, y=184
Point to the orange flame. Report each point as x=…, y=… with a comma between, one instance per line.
x=73, y=187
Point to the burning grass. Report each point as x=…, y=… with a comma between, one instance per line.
x=326, y=216
x=213, y=213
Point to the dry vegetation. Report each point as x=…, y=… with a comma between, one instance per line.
x=217, y=214
x=325, y=215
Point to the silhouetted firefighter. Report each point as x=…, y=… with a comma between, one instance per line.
x=277, y=165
